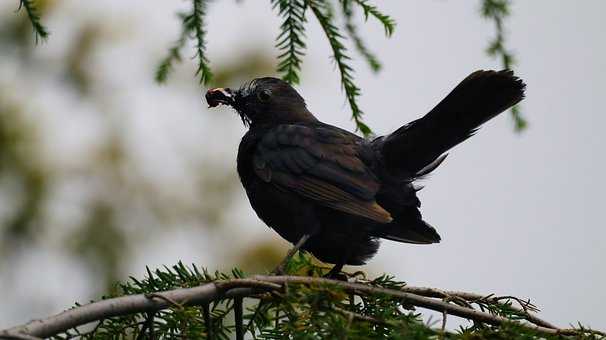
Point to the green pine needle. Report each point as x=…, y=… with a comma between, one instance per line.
x=291, y=39
x=299, y=311
x=324, y=14
x=166, y=66
x=40, y=32
x=192, y=26
x=196, y=23
x=291, y=43
x=359, y=44
x=519, y=122
x=388, y=23
x=497, y=11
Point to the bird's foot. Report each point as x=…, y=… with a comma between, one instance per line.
x=281, y=268
x=336, y=274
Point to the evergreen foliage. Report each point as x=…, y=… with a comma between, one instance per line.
x=196, y=22
x=291, y=42
x=320, y=309
x=324, y=13
x=192, y=26
x=40, y=32
x=497, y=11
x=291, y=38
x=359, y=44
x=369, y=10
x=174, y=54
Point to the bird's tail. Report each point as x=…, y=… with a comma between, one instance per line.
x=416, y=147
x=416, y=232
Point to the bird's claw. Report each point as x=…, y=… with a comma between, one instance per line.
x=336, y=276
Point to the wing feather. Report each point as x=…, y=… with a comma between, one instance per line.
x=321, y=164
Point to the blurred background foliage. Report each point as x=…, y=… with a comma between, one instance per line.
x=97, y=208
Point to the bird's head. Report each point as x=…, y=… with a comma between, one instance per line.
x=263, y=101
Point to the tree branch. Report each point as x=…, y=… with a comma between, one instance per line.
x=421, y=297
x=474, y=298
x=429, y=298
x=131, y=304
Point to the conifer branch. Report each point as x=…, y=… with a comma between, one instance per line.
x=157, y=294
x=290, y=41
x=324, y=14
x=196, y=22
x=497, y=11
x=166, y=66
x=40, y=32
x=370, y=10
x=352, y=31
x=192, y=26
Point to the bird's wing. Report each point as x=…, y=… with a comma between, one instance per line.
x=322, y=164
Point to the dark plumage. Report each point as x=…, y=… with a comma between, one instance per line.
x=304, y=177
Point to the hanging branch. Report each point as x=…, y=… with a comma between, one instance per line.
x=370, y=10
x=352, y=31
x=497, y=11
x=40, y=32
x=192, y=26
x=323, y=13
x=166, y=66
x=290, y=41
x=196, y=22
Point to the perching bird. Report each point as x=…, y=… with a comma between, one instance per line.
x=335, y=194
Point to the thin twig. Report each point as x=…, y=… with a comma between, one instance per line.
x=34, y=17
x=138, y=303
x=525, y=304
x=416, y=300
x=165, y=298
x=291, y=252
x=238, y=317
x=148, y=325
x=475, y=298
x=94, y=330
x=207, y=321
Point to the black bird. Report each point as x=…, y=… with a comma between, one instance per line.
x=335, y=194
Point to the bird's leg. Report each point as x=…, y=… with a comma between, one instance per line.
x=280, y=268
x=335, y=272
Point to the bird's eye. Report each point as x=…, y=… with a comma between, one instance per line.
x=264, y=95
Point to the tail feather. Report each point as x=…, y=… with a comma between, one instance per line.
x=431, y=166
x=417, y=232
x=478, y=98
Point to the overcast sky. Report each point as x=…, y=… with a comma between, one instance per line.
x=519, y=214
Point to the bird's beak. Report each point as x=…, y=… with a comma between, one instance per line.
x=219, y=95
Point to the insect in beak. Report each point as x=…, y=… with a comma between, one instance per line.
x=219, y=95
